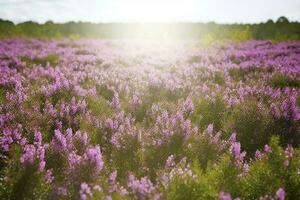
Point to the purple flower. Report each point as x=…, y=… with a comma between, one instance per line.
x=232, y=138
x=74, y=159
x=216, y=138
x=236, y=149
x=170, y=161
x=49, y=176
x=258, y=154
x=143, y=187
x=225, y=196
x=188, y=105
x=94, y=156
x=115, y=103
x=267, y=149
x=29, y=155
x=113, y=176
x=59, y=141
x=85, y=191
x=280, y=194
x=38, y=138
x=209, y=129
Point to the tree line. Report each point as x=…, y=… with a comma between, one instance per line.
x=282, y=29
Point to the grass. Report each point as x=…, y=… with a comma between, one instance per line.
x=283, y=80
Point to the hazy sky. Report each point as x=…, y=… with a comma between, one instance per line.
x=222, y=11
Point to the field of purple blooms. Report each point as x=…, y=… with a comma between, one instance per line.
x=132, y=119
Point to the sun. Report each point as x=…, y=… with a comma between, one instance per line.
x=156, y=11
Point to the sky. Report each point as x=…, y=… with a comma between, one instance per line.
x=220, y=11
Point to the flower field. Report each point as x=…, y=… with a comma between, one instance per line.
x=132, y=119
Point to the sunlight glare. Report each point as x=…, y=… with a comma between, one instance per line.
x=157, y=11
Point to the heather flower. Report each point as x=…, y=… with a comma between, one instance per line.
x=225, y=196
x=235, y=150
x=267, y=149
x=170, y=161
x=289, y=151
x=135, y=101
x=115, y=103
x=49, y=176
x=188, y=106
x=216, y=138
x=232, y=138
x=280, y=194
x=59, y=141
x=74, y=159
x=29, y=155
x=80, y=140
x=85, y=191
x=61, y=191
x=58, y=124
x=108, y=197
x=142, y=187
x=245, y=168
x=94, y=156
x=38, y=138
x=110, y=123
x=90, y=74
x=6, y=140
x=113, y=176
x=258, y=154
x=97, y=188
x=275, y=110
x=112, y=184
x=286, y=163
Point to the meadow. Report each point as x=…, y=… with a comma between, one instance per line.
x=149, y=119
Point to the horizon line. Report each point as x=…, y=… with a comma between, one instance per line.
x=16, y=22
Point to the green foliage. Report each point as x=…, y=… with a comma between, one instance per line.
x=265, y=177
x=242, y=34
x=238, y=73
x=51, y=59
x=224, y=176
x=288, y=131
x=219, y=78
x=259, y=181
x=87, y=127
x=202, y=151
x=98, y=106
x=269, y=173
x=3, y=90
x=105, y=92
x=18, y=182
x=252, y=124
x=209, y=112
x=140, y=113
x=161, y=94
x=195, y=59
x=188, y=188
x=155, y=157
x=208, y=32
x=2, y=94
x=282, y=80
x=127, y=157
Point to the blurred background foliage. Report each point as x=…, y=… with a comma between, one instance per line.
x=280, y=30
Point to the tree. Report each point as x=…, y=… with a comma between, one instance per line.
x=282, y=19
